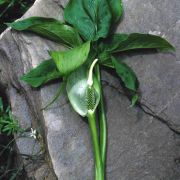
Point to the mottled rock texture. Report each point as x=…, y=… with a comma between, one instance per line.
x=140, y=147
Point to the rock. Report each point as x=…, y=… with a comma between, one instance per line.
x=139, y=146
x=43, y=173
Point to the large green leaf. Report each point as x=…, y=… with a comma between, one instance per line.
x=49, y=28
x=125, y=42
x=43, y=73
x=92, y=18
x=112, y=43
x=77, y=90
x=116, y=9
x=126, y=74
x=137, y=41
x=68, y=61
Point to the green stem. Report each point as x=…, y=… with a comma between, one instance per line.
x=102, y=121
x=99, y=172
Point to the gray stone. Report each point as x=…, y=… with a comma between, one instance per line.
x=43, y=173
x=139, y=146
x=28, y=145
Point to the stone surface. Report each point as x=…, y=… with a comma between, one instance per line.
x=43, y=173
x=139, y=146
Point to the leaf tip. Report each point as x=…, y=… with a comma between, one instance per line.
x=8, y=24
x=51, y=53
x=134, y=100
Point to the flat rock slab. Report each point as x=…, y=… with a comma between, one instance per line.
x=139, y=146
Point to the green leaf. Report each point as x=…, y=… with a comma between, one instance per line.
x=137, y=41
x=105, y=59
x=77, y=90
x=42, y=74
x=134, y=100
x=112, y=43
x=126, y=74
x=49, y=28
x=116, y=9
x=3, y=2
x=92, y=18
x=68, y=61
x=104, y=56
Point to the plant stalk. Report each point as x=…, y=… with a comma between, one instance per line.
x=99, y=171
x=102, y=121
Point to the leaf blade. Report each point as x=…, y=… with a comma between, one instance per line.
x=141, y=41
x=49, y=28
x=126, y=74
x=91, y=18
x=112, y=43
x=116, y=9
x=42, y=74
x=69, y=60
